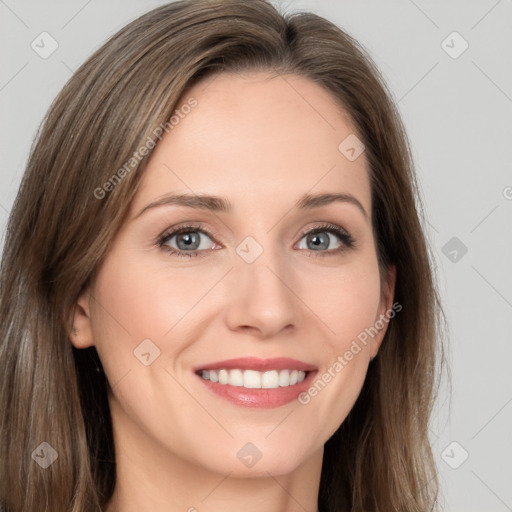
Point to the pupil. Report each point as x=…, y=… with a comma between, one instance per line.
x=188, y=240
x=319, y=240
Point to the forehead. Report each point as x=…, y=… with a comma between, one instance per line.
x=271, y=136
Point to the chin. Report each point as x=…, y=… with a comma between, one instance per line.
x=259, y=459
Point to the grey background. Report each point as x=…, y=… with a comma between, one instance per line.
x=458, y=115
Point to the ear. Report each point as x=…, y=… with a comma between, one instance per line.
x=386, y=309
x=81, y=335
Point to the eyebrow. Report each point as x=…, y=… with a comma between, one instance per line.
x=220, y=204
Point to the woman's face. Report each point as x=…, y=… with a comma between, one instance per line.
x=278, y=272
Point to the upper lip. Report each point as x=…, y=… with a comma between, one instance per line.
x=254, y=363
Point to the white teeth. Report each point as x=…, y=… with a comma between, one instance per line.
x=253, y=379
x=236, y=378
x=223, y=376
x=270, y=379
x=284, y=378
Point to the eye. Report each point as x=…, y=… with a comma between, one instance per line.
x=327, y=238
x=192, y=240
x=186, y=241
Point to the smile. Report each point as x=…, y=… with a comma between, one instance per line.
x=252, y=379
x=255, y=382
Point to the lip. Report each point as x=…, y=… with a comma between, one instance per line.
x=261, y=398
x=258, y=364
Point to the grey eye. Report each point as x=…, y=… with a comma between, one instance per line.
x=189, y=241
x=320, y=240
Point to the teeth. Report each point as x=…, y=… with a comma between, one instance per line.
x=270, y=379
x=284, y=378
x=236, y=378
x=253, y=379
x=223, y=376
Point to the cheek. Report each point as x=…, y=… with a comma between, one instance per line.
x=347, y=301
x=140, y=299
x=136, y=301
x=350, y=308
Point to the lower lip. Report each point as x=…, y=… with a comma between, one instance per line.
x=261, y=398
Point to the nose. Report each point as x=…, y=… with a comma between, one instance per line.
x=261, y=299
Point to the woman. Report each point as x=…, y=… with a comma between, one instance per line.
x=216, y=292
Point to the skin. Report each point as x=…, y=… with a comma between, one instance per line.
x=260, y=141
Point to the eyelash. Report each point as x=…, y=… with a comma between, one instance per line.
x=346, y=239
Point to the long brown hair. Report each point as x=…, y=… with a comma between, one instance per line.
x=60, y=229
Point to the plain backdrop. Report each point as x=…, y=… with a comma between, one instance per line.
x=448, y=65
